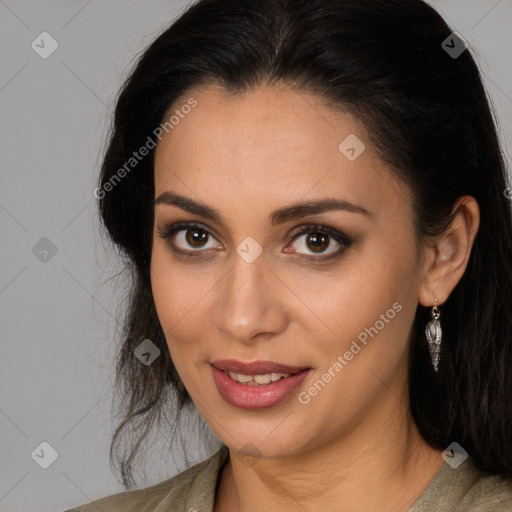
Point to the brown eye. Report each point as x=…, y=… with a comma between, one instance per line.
x=317, y=242
x=196, y=237
x=192, y=239
x=323, y=241
x=184, y=237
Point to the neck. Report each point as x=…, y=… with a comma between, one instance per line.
x=381, y=467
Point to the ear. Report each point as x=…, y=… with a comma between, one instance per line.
x=447, y=258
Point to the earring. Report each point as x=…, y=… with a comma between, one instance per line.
x=433, y=333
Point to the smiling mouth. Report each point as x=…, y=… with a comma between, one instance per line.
x=256, y=372
x=258, y=384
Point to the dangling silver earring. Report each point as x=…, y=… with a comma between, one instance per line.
x=433, y=333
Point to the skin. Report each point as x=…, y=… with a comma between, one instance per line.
x=355, y=442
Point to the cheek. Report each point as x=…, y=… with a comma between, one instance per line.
x=369, y=284
x=371, y=301
x=180, y=293
x=369, y=311
x=177, y=291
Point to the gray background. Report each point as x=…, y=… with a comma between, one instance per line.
x=59, y=316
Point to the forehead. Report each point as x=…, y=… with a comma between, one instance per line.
x=270, y=142
x=267, y=118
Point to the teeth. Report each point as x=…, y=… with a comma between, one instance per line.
x=254, y=380
x=262, y=379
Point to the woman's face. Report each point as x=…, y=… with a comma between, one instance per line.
x=242, y=284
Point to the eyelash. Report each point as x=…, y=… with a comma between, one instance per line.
x=169, y=230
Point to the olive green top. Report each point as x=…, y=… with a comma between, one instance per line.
x=463, y=489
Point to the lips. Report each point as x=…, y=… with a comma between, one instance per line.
x=251, y=395
x=256, y=367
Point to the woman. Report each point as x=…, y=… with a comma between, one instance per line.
x=311, y=196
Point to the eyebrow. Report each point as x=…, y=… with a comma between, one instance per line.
x=295, y=211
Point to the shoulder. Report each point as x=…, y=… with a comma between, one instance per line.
x=465, y=489
x=175, y=492
x=488, y=494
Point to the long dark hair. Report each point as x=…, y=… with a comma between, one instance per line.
x=428, y=116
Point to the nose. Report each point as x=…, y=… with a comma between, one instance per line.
x=250, y=306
